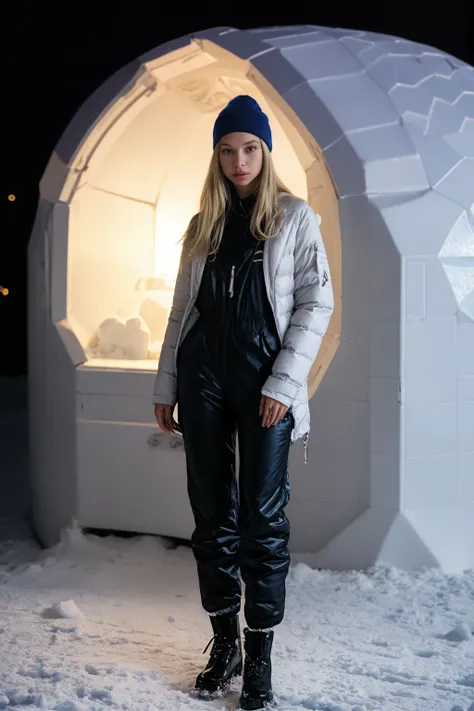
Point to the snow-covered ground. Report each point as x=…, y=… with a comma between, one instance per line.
x=111, y=623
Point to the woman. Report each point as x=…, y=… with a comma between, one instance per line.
x=252, y=302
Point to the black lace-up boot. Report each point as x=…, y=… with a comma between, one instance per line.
x=257, y=686
x=225, y=660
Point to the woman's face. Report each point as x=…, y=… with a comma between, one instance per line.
x=241, y=158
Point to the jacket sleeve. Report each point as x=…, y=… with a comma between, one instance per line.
x=164, y=391
x=312, y=310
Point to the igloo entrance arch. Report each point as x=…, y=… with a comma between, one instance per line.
x=136, y=182
x=391, y=469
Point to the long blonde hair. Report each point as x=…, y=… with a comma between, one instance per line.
x=204, y=233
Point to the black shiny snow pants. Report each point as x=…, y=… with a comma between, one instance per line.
x=238, y=529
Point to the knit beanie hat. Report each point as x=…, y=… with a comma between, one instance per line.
x=243, y=114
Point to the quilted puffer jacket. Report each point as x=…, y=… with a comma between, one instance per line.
x=298, y=283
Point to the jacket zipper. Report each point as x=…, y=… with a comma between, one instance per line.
x=230, y=291
x=231, y=285
x=305, y=445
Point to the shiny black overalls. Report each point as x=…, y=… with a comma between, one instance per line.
x=223, y=363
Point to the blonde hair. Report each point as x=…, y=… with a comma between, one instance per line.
x=204, y=233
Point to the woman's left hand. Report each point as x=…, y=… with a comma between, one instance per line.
x=272, y=411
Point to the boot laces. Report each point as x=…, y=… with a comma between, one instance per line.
x=220, y=643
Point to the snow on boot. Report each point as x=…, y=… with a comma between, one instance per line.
x=225, y=660
x=257, y=686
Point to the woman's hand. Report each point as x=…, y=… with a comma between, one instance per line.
x=272, y=411
x=164, y=417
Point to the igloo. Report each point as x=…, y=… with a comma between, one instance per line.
x=377, y=133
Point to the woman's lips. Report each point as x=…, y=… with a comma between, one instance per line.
x=240, y=175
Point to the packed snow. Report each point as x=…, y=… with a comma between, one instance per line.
x=98, y=623
x=122, y=338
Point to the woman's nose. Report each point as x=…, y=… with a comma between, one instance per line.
x=239, y=161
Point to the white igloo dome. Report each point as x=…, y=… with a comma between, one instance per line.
x=377, y=133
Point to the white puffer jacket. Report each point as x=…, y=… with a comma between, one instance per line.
x=299, y=288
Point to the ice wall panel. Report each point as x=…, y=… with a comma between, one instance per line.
x=312, y=111
x=321, y=60
x=430, y=429
x=385, y=415
x=466, y=477
x=368, y=105
x=430, y=348
x=430, y=481
x=385, y=481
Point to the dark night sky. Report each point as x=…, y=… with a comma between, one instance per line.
x=58, y=53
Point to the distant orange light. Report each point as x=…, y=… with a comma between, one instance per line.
x=12, y=198
x=4, y=291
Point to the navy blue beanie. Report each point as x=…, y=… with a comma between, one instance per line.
x=243, y=114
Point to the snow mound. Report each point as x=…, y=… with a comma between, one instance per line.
x=460, y=633
x=119, y=338
x=66, y=609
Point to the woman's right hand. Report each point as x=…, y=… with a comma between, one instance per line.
x=164, y=417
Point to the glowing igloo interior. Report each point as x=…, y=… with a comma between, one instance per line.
x=138, y=179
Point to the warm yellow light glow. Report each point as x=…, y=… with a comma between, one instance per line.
x=12, y=197
x=170, y=228
x=4, y=291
